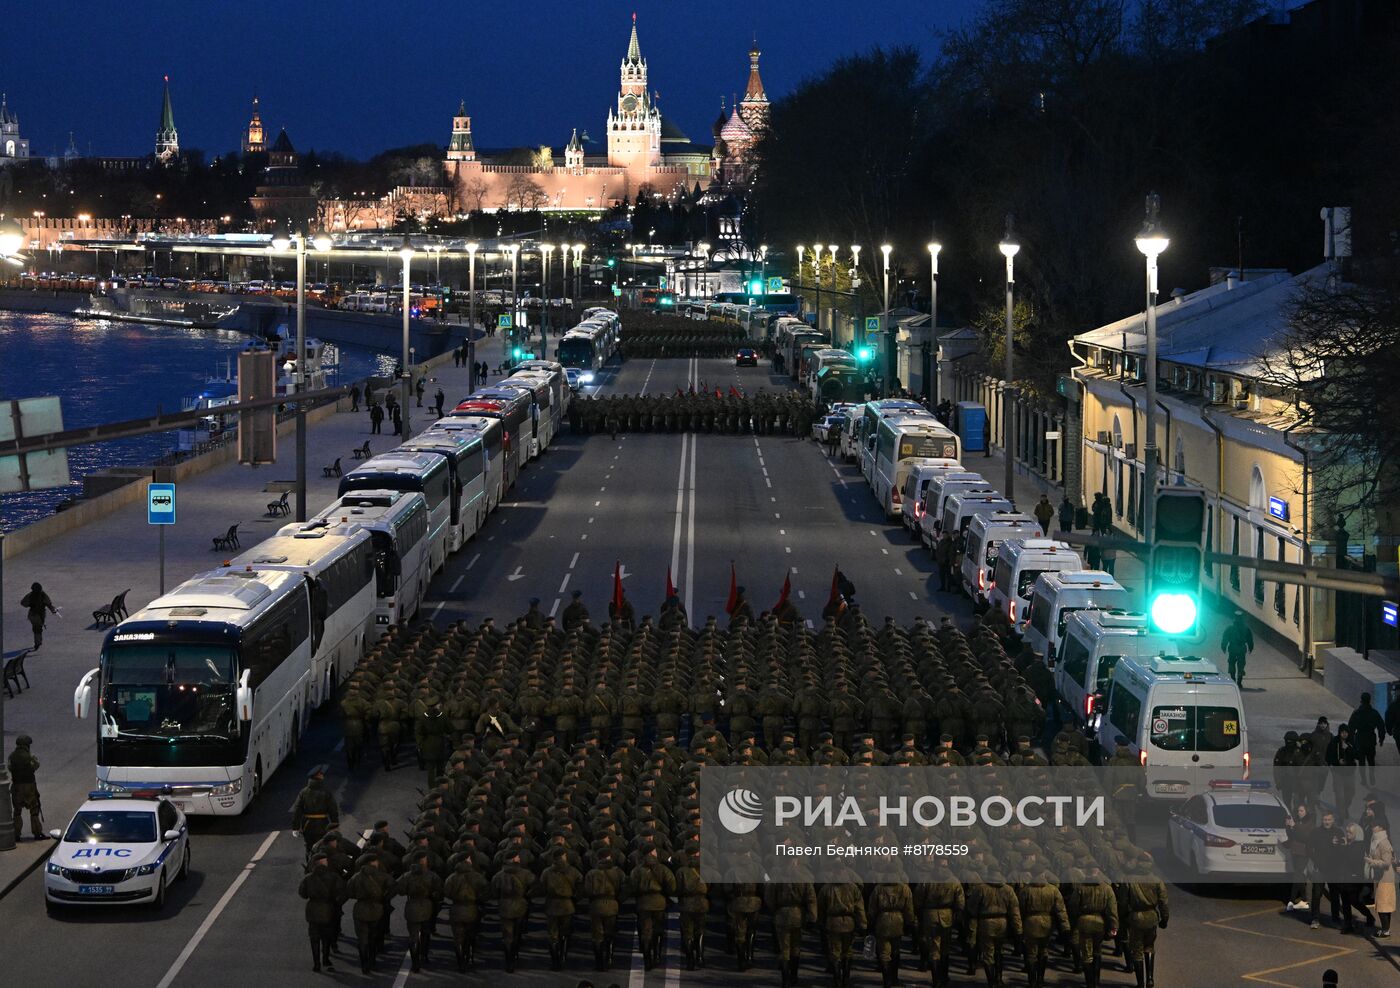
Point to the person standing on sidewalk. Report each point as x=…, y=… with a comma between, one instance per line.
x=24, y=790
x=439, y=399
x=1237, y=642
x=376, y=419
x=1066, y=515
x=1044, y=513
x=1367, y=732
x=40, y=607
x=354, y=398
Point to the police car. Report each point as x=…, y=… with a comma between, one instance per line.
x=1236, y=828
x=118, y=848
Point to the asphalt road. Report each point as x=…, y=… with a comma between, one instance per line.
x=773, y=506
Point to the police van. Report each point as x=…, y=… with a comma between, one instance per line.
x=985, y=534
x=1019, y=564
x=1094, y=642
x=1057, y=595
x=1183, y=720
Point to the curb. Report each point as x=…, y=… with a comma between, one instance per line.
x=14, y=883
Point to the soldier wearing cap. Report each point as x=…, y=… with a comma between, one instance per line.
x=841, y=912
x=576, y=613
x=1095, y=910
x=1042, y=912
x=532, y=618
x=1145, y=903
x=603, y=885
x=315, y=812
x=1025, y=754
x=998, y=918
x=354, y=711
x=422, y=891
x=693, y=898
x=651, y=883
x=371, y=887
x=1287, y=760
x=891, y=912
x=510, y=887
x=939, y=906
x=324, y=892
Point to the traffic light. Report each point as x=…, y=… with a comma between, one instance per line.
x=1174, y=569
x=612, y=262
x=756, y=287
x=865, y=354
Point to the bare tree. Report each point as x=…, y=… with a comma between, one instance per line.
x=471, y=193
x=524, y=193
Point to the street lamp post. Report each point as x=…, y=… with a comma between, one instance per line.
x=406, y=252
x=1009, y=247
x=545, y=250
x=885, y=315
x=11, y=240
x=578, y=272
x=472, y=248
x=931, y=380
x=563, y=273
x=281, y=243
x=817, y=276
x=1152, y=241
x=801, y=250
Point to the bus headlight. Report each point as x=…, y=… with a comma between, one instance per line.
x=228, y=789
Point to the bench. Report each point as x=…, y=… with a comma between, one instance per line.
x=14, y=672
x=333, y=470
x=279, y=507
x=229, y=540
x=113, y=612
x=361, y=452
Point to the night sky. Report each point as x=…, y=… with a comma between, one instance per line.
x=358, y=76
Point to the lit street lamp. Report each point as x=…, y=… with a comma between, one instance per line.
x=472, y=248
x=578, y=272
x=514, y=251
x=1152, y=241
x=281, y=243
x=934, y=248
x=885, y=315
x=545, y=250
x=406, y=252
x=1008, y=248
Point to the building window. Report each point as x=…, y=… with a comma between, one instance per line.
x=1257, y=497
x=1180, y=457
x=1210, y=539
x=1258, y=554
x=1235, y=551
x=1280, y=607
x=1133, y=497
x=1118, y=487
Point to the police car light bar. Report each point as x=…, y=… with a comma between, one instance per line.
x=1239, y=784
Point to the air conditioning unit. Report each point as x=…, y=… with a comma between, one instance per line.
x=1242, y=402
x=1219, y=391
x=1105, y=437
x=1130, y=450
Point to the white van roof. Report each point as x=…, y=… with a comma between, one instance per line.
x=1018, y=546
x=1171, y=668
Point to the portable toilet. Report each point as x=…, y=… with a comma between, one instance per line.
x=971, y=419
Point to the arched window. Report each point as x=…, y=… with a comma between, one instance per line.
x=1257, y=497
x=1117, y=433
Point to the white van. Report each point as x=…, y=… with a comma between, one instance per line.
x=937, y=491
x=984, y=537
x=1057, y=595
x=961, y=507
x=911, y=501
x=1094, y=643
x=1182, y=719
x=1019, y=564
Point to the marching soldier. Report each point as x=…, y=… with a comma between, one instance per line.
x=324, y=892
x=1146, y=903
x=371, y=887
x=842, y=915
x=559, y=884
x=792, y=905
x=692, y=894
x=603, y=886
x=998, y=916
x=422, y=891
x=1127, y=787
x=1096, y=917
x=891, y=912
x=354, y=711
x=576, y=613
x=939, y=906
x=510, y=887
x=1042, y=912
x=467, y=889
x=430, y=726
x=650, y=884
x=315, y=812
x=389, y=710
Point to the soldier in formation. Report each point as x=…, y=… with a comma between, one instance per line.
x=765, y=413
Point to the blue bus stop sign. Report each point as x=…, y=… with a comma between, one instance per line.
x=160, y=504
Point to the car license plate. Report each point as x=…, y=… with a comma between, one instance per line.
x=1256, y=849
x=1171, y=787
x=95, y=890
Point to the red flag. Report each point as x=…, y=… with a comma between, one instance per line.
x=787, y=590
x=719, y=393
x=680, y=392
x=618, y=597
x=670, y=587
x=835, y=586
x=733, y=391
x=733, y=600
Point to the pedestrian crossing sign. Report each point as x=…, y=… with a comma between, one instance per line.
x=503, y=321
x=775, y=285
x=872, y=324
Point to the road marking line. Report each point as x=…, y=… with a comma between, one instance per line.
x=768, y=482
x=574, y=562
x=885, y=551
x=772, y=498
x=214, y=913
x=473, y=562
x=565, y=583
x=638, y=976
x=776, y=515
x=787, y=548
x=597, y=503
x=590, y=520
x=1262, y=976
x=404, y=969
x=457, y=583
x=898, y=571
x=555, y=608
x=583, y=537
x=680, y=509
x=690, y=536
x=339, y=745
x=601, y=489
x=809, y=623
x=802, y=595
x=438, y=608
x=782, y=531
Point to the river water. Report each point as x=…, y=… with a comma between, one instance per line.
x=109, y=371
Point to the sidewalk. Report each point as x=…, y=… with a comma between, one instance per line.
x=83, y=569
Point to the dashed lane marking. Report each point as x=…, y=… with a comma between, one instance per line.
x=597, y=503
x=457, y=583
x=574, y=562
x=787, y=548
x=474, y=559
x=802, y=595
x=782, y=531
x=768, y=482
x=885, y=551
x=563, y=585
x=214, y=913
x=913, y=595
x=555, y=607
x=583, y=537
x=898, y=571
x=440, y=605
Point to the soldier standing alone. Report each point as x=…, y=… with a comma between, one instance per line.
x=24, y=790
x=315, y=812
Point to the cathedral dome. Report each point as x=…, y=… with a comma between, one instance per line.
x=735, y=129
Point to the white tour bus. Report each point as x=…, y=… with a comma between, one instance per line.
x=398, y=523
x=985, y=533
x=900, y=443
x=466, y=464
x=1183, y=721
x=1057, y=595
x=512, y=406
x=560, y=392
x=339, y=563
x=1019, y=564
x=542, y=425
x=205, y=689
x=872, y=413
x=1094, y=643
x=499, y=471
x=426, y=473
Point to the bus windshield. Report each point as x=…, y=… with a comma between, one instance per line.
x=576, y=353
x=168, y=691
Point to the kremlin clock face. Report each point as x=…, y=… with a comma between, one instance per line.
x=629, y=103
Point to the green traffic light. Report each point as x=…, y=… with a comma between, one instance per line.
x=1173, y=613
x=519, y=353
x=864, y=353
